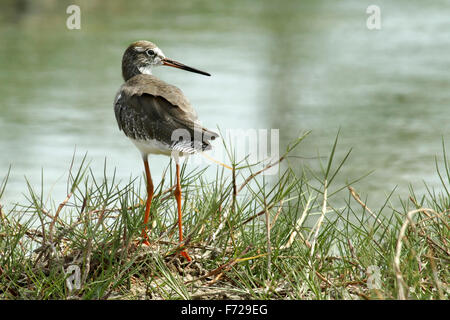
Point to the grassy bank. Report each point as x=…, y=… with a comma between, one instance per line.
x=250, y=237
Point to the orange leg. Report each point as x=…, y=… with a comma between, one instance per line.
x=178, y=198
x=149, y=200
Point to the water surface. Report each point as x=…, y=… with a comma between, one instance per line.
x=292, y=65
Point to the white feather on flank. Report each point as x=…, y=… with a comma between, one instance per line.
x=152, y=147
x=119, y=95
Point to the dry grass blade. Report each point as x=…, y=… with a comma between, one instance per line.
x=252, y=176
x=222, y=268
x=297, y=227
x=321, y=218
x=356, y=196
x=269, y=247
x=52, y=223
x=277, y=214
x=398, y=274
x=256, y=215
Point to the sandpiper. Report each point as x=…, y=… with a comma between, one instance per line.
x=157, y=117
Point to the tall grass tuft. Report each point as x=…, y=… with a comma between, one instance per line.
x=250, y=236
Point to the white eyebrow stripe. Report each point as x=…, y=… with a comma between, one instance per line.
x=159, y=52
x=139, y=49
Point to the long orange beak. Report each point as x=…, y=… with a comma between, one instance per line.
x=176, y=64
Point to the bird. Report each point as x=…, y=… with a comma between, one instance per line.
x=158, y=118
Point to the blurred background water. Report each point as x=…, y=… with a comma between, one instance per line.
x=292, y=65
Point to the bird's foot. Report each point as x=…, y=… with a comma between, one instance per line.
x=186, y=255
x=141, y=241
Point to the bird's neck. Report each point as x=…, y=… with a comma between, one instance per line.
x=130, y=71
x=131, y=67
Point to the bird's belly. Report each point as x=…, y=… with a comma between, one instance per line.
x=152, y=147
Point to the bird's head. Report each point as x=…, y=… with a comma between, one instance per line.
x=141, y=56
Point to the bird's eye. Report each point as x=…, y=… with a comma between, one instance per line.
x=150, y=52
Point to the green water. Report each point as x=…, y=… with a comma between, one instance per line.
x=292, y=65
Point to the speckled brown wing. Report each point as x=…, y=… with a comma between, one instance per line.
x=143, y=116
